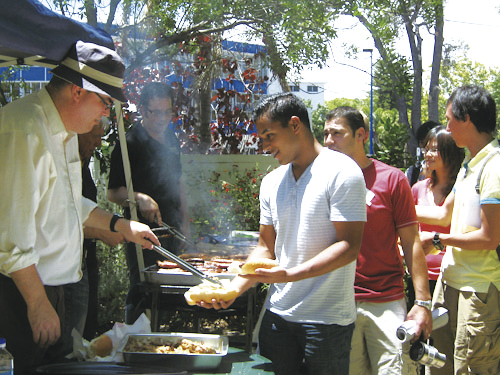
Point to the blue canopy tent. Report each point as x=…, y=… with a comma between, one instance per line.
x=31, y=34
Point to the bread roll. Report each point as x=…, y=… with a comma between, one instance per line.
x=249, y=267
x=206, y=292
x=101, y=346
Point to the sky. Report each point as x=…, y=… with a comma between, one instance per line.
x=476, y=23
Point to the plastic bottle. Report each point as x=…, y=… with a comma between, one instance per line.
x=6, y=360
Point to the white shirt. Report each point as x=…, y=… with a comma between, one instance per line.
x=41, y=203
x=302, y=212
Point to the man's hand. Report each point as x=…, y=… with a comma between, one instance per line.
x=44, y=323
x=268, y=275
x=423, y=318
x=43, y=319
x=217, y=305
x=426, y=240
x=136, y=232
x=148, y=208
x=262, y=275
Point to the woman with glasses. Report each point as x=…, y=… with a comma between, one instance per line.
x=443, y=160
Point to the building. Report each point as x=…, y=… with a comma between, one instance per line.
x=313, y=91
x=20, y=81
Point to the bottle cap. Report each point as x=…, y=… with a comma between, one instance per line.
x=2, y=342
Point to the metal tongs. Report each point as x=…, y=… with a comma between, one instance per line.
x=177, y=234
x=186, y=266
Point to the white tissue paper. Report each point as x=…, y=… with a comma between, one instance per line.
x=117, y=333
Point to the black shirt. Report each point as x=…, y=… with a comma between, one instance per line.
x=156, y=171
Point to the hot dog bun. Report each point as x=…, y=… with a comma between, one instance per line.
x=101, y=346
x=249, y=267
x=206, y=292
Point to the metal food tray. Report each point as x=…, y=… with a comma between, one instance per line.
x=181, y=361
x=156, y=275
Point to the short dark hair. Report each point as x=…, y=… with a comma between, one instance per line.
x=281, y=107
x=57, y=84
x=476, y=102
x=354, y=118
x=424, y=129
x=450, y=153
x=156, y=90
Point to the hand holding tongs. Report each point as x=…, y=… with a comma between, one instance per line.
x=186, y=266
x=177, y=234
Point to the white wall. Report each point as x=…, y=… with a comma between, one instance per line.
x=198, y=169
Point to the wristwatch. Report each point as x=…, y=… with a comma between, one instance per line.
x=113, y=221
x=437, y=242
x=426, y=304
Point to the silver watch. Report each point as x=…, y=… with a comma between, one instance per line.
x=426, y=304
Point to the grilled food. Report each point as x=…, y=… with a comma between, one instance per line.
x=206, y=292
x=249, y=267
x=184, y=346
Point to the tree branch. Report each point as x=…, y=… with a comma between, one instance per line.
x=184, y=35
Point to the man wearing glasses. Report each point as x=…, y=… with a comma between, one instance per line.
x=43, y=211
x=155, y=164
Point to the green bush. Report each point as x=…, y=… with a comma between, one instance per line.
x=113, y=270
x=113, y=285
x=234, y=205
x=392, y=136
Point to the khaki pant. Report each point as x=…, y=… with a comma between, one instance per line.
x=471, y=339
x=375, y=348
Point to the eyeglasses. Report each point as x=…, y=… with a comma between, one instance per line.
x=431, y=150
x=159, y=113
x=107, y=104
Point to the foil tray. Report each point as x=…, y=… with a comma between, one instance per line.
x=181, y=361
x=156, y=275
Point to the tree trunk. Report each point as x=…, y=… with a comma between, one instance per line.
x=205, y=109
x=113, y=4
x=410, y=14
x=277, y=65
x=433, y=102
x=91, y=12
x=415, y=41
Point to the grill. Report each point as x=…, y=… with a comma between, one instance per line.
x=169, y=284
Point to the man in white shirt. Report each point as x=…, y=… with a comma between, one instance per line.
x=43, y=211
x=312, y=218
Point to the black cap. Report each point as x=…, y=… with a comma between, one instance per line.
x=93, y=68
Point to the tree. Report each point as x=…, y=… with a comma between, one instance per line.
x=392, y=137
x=390, y=134
x=459, y=70
x=11, y=86
x=385, y=20
x=318, y=116
x=295, y=33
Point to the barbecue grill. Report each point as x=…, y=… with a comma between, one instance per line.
x=171, y=284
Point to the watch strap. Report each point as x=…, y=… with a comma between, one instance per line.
x=427, y=304
x=437, y=242
x=113, y=221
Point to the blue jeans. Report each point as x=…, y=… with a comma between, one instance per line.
x=303, y=348
x=76, y=299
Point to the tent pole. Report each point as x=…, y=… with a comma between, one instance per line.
x=128, y=181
